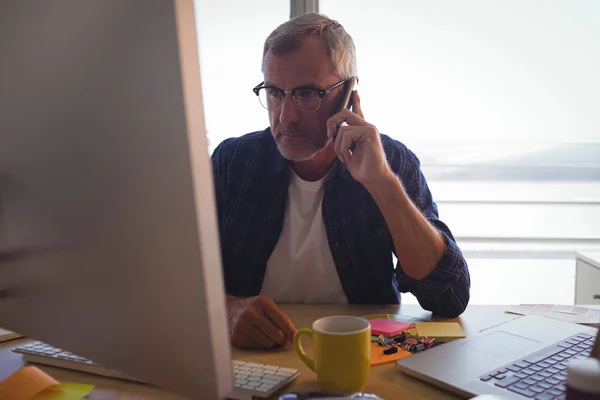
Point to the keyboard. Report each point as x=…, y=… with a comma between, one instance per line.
x=251, y=380
x=542, y=375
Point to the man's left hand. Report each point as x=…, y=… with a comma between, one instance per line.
x=367, y=163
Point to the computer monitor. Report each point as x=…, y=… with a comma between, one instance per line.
x=108, y=234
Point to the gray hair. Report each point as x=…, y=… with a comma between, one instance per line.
x=337, y=42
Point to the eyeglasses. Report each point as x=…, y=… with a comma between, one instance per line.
x=307, y=99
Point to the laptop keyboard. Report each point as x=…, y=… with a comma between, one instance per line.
x=542, y=375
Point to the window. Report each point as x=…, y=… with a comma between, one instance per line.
x=231, y=35
x=499, y=100
x=492, y=97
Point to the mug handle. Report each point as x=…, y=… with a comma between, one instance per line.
x=298, y=347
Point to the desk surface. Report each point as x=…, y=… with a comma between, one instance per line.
x=383, y=380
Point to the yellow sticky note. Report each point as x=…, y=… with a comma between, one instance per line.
x=65, y=391
x=440, y=330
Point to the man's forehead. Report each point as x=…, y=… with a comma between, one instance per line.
x=308, y=64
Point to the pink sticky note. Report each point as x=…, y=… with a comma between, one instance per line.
x=388, y=327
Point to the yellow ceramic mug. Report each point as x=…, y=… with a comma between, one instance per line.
x=341, y=352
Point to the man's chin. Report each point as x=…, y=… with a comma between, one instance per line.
x=294, y=155
x=299, y=149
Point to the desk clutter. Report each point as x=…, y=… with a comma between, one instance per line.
x=392, y=340
x=31, y=383
x=251, y=380
x=8, y=335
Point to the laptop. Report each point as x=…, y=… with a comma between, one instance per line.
x=525, y=358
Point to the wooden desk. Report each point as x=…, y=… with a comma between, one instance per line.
x=384, y=380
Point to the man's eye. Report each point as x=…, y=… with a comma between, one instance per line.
x=305, y=94
x=273, y=93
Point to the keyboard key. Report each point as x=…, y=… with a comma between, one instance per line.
x=536, y=368
x=543, y=364
x=514, y=368
x=562, y=376
x=267, y=385
x=543, y=354
x=283, y=369
x=553, y=381
x=529, y=382
x=573, y=342
x=545, y=385
x=538, y=378
x=486, y=378
x=544, y=396
x=553, y=370
x=579, y=348
x=521, y=385
x=523, y=392
x=585, y=336
x=537, y=389
x=522, y=364
x=247, y=386
x=528, y=371
x=546, y=374
x=555, y=392
x=521, y=375
x=249, y=364
x=273, y=378
x=509, y=380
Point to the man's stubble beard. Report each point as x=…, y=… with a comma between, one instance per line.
x=292, y=153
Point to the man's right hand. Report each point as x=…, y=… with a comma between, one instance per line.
x=256, y=322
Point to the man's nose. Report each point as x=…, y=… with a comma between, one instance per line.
x=289, y=112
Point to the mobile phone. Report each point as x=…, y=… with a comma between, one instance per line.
x=348, y=88
x=346, y=100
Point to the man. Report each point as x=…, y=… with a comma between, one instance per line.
x=308, y=218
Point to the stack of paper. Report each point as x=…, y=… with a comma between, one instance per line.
x=8, y=335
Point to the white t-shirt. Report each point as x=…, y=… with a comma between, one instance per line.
x=301, y=268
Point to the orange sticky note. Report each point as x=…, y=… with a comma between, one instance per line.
x=378, y=357
x=25, y=384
